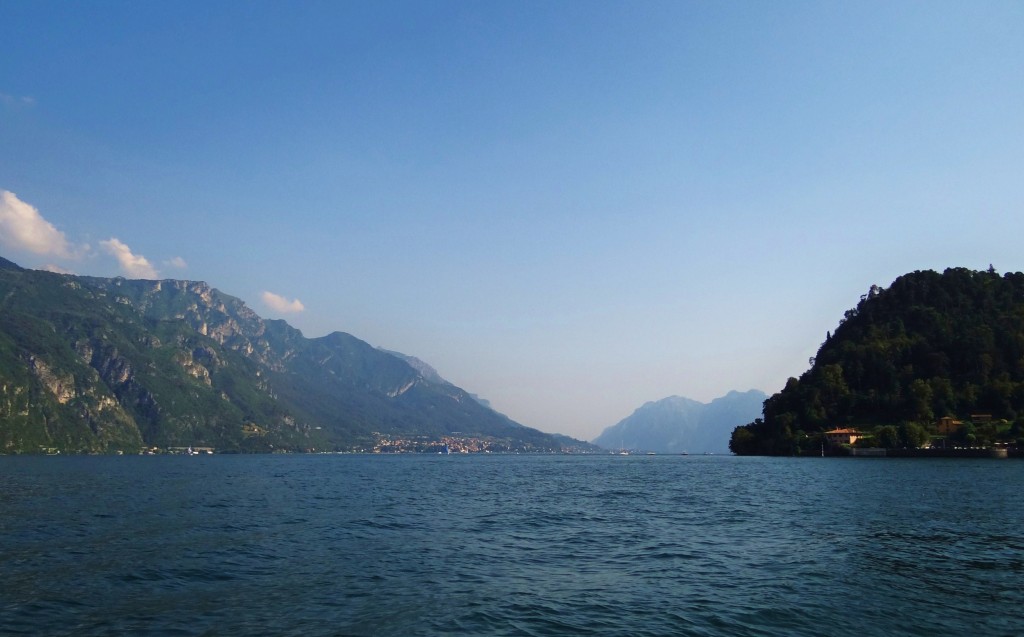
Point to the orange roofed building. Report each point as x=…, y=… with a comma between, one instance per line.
x=947, y=425
x=845, y=436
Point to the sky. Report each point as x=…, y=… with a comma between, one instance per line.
x=567, y=208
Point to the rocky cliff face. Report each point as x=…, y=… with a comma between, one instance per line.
x=94, y=364
x=209, y=312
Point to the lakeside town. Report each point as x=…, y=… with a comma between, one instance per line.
x=383, y=444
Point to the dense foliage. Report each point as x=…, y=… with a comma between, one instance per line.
x=930, y=346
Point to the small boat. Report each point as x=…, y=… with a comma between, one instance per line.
x=622, y=448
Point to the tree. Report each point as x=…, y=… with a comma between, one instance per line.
x=964, y=436
x=921, y=397
x=888, y=436
x=743, y=442
x=912, y=435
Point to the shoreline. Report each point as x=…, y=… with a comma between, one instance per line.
x=878, y=452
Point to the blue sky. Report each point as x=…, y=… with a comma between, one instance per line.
x=569, y=208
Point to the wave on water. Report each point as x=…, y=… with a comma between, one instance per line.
x=509, y=545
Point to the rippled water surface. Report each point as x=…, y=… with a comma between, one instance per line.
x=510, y=545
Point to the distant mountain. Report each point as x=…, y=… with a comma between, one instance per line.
x=676, y=424
x=433, y=376
x=96, y=364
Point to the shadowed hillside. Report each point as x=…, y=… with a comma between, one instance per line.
x=932, y=347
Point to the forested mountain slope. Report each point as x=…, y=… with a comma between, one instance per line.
x=930, y=346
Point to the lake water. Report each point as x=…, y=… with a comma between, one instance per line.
x=510, y=545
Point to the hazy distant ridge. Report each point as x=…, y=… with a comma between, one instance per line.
x=677, y=424
x=431, y=374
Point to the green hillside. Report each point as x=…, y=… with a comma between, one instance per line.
x=930, y=346
x=100, y=365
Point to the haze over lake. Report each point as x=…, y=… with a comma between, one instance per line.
x=567, y=208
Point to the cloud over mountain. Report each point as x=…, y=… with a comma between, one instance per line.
x=56, y=269
x=280, y=304
x=133, y=265
x=23, y=228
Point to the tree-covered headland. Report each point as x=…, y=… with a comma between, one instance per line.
x=935, y=359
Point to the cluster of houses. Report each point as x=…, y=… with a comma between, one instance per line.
x=944, y=427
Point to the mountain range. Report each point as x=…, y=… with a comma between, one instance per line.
x=677, y=425
x=91, y=364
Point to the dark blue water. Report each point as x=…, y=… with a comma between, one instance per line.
x=510, y=545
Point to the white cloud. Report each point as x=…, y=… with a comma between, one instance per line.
x=176, y=262
x=15, y=101
x=281, y=304
x=133, y=265
x=56, y=269
x=22, y=227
